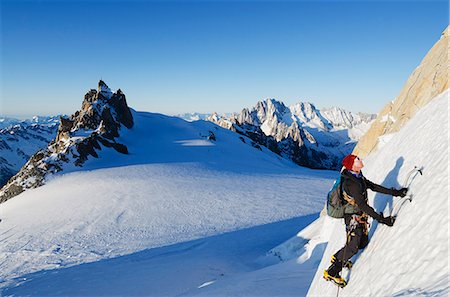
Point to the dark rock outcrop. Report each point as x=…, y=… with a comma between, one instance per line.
x=79, y=137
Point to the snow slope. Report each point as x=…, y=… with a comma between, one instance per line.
x=286, y=270
x=154, y=212
x=412, y=257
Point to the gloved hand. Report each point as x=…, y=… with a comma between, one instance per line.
x=390, y=220
x=400, y=192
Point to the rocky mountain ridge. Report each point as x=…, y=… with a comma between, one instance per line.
x=95, y=126
x=301, y=132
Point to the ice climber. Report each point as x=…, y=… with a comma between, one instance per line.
x=354, y=186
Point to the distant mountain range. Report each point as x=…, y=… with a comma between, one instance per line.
x=7, y=122
x=301, y=132
x=193, y=116
x=20, y=139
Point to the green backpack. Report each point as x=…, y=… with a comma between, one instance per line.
x=340, y=203
x=335, y=204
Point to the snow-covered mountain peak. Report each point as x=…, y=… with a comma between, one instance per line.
x=300, y=132
x=309, y=115
x=47, y=121
x=193, y=116
x=268, y=110
x=273, y=105
x=341, y=118
x=306, y=108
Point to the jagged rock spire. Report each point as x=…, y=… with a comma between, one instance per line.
x=101, y=117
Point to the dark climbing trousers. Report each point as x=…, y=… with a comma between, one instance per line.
x=357, y=239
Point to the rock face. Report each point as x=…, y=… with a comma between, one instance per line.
x=428, y=80
x=80, y=136
x=300, y=132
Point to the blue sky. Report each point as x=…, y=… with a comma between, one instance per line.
x=204, y=56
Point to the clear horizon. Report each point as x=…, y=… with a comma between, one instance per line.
x=212, y=56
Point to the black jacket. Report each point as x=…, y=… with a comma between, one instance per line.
x=356, y=187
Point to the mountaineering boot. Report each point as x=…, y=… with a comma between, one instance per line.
x=348, y=264
x=337, y=279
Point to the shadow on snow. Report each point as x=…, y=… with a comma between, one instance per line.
x=164, y=271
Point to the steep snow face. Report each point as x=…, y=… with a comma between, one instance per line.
x=410, y=258
x=176, y=184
